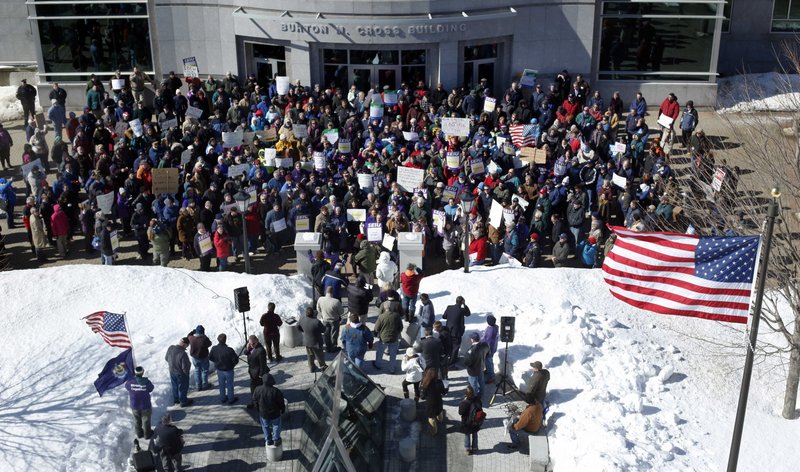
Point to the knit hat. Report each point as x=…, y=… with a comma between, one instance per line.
x=475, y=336
x=200, y=329
x=491, y=320
x=139, y=371
x=410, y=352
x=534, y=237
x=592, y=240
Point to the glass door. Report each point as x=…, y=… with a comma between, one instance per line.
x=387, y=76
x=362, y=78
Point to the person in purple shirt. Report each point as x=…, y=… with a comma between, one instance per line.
x=490, y=336
x=139, y=389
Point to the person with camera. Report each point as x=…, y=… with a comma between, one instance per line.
x=157, y=234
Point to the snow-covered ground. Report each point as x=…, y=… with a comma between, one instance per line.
x=769, y=91
x=629, y=390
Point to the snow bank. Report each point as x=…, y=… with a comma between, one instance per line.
x=758, y=92
x=51, y=415
x=10, y=107
x=629, y=390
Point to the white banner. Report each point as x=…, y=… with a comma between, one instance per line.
x=453, y=160
x=665, y=121
x=374, y=232
x=136, y=126
x=301, y=223
x=300, y=131
x=489, y=104
x=365, y=181
x=410, y=136
x=279, y=225
x=376, y=111
x=190, y=68
x=477, y=166
x=117, y=84
x=232, y=138
x=409, y=178
x=26, y=168
x=268, y=156
x=282, y=84
x=390, y=98
x=439, y=219
x=285, y=162
x=194, y=112
x=620, y=148
x=356, y=214
x=344, y=146
x=388, y=241
x=496, y=214
x=619, y=180
x=169, y=124
x=106, y=202
x=332, y=135
x=455, y=126
x=719, y=178
x=238, y=169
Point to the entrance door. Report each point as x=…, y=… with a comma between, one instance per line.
x=474, y=71
x=267, y=69
x=362, y=78
x=388, y=76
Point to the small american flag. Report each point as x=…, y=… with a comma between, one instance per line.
x=681, y=274
x=522, y=135
x=111, y=326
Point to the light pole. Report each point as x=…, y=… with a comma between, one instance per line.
x=467, y=201
x=243, y=203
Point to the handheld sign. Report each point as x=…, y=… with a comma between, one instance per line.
x=279, y=225
x=190, y=68
x=619, y=181
x=489, y=104
x=332, y=135
x=105, y=202
x=365, y=181
x=194, y=112
x=409, y=178
x=268, y=156
x=477, y=166
x=237, y=170
x=374, y=232
x=136, y=126
x=206, y=246
x=285, y=162
x=168, y=124
x=528, y=79
x=388, y=241
x=165, y=181
x=117, y=84
x=496, y=214
x=390, y=98
x=439, y=219
x=376, y=111
x=449, y=192
x=300, y=131
x=453, y=160
x=665, y=121
x=719, y=178
x=301, y=223
x=319, y=160
x=356, y=214
x=455, y=126
x=410, y=136
x=232, y=138
x=344, y=146
x=282, y=84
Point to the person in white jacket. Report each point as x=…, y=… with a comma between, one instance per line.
x=386, y=271
x=413, y=365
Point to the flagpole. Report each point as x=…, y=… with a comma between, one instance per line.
x=130, y=336
x=738, y=427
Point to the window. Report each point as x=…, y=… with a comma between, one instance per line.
x=786, y=16
x=657, y=40
x=366, y=68
x=726, y=12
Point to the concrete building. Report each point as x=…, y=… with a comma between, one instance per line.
x=681, y=45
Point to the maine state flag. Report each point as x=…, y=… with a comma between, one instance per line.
x=116, y=372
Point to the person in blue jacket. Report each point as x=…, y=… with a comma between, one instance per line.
x=139, y=389
x=356, y=339
x=588, y=251
x=7, y=193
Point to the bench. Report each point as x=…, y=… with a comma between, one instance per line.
x=539, y=453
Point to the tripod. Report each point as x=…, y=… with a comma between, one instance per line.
x=244, y=325
x=504, y=380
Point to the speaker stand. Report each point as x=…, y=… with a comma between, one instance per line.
x=504, y=383
x=244, y=325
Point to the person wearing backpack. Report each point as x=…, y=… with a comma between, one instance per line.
x=168, y=442
x=472, y=416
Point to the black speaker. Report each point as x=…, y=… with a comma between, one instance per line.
x=242, y=298
x=507, y=329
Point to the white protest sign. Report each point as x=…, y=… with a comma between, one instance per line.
x=105, y=202
x=719, y=177
x=477, y=166
x=619, y=147
x=285, y=162
x=319, y=160
x=453, y=160
x=496, y=214
x=332, y=135
x=500, y=140
x=374, y=232
x=365, y=181
x=300, y=131
x=120, y=128
x=619, y=180
x=115, y=238
x=449, y=192
x=168, y=124
x=267, y=156
x=528, y=79
x=194, y=112
x=439, y=219
x=390, y=98
x=253, y=192
x=136, y=126
x=282, y=84
x=508, y=215
x=356, y=214
x=376, y=110
x=26, y=168
x=186, y=156
x=117, y=84
x=388, y=241
x=522, y=202
x=278, y=225
x=665, y=121
x=410, y=136
x=344, y=146
x=238, y=169
x=301, y=223
x=232, y=138
x=248, y=137
x=493, y=168
x=206, y=246
x=455, y=126
x=190, y=68
x=489, y=104
x=409, y=178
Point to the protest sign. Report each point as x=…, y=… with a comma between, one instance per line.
x=285, y=162
x=449, y=192
x=117, y=84
x=365, y=181
x=508, y=216
x=439, y=219
x=40, y=121
x=165, y=181
x=496, y=214
x=136, y=126
x=410, y=136
x=390, y=98
x=105, y=202
x=332, y=135
x=493, y=168
x=190, y=68
x=26, y=168
x=282, y=84
x=477, y=166
x=319, y=160
x=508, y=148
x=619, y=180
x=501, y=140
x=206, y=246
x=453, y=160
x=300, y=131
x=719, y=178
x=665, y=121
x=120, y=128
x=232, y=138
x=620, y=148
x=169, y=124
x=409, y=178
x=356, y=214
x=237, y=170
x=388, y=242
x=267, y=156
x=253, y=192
x=528, y=79
x=519, y=163
x=194, y=112
x=344, y=146
x=248, y=137
x=455, y=126
x=376, y=111
x=115, y=238
x=301, y=223
x=278, y=225
x=489, y=104
x=532, y=155
x=186, y=156
x=374, y=232
x=522, y=202
x=307, y=165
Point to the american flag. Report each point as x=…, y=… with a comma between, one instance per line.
x=681, y=274
x=522, y=135
x=111, y=326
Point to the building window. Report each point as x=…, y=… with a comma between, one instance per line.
x=366, y=68
x=726, y=12
x=479, y=63
x=786, y=16
x=80, y=39
x=657, y=41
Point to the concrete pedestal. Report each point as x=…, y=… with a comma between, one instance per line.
x=274, y=453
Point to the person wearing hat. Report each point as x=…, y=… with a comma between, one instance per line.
x=413, y=366
x=532, y=253
x=334, y=279
x=561, y=250
x=490, y=337
x=198, y=350
x=538, y=384
x=139, y=389
x=475, y=362
x=530, y=420
x=587, y=250
x=356, y=339
x=179, y=368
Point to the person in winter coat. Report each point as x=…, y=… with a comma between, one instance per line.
x=271, y=405
x=475, y=362
x=312, y=330
x=538, y=383
x=198, y=350
x=366, y=260
x=330, y=313
x=159, y=236
x=561, y=251
x=38, y=234
x=413, y=366
x=530, y=420
x=576, y=216
x=256, y=365
x=409, y=282
x=425, y=312
x=388, y=329
x=466, y=409
x=432, y=390
x=319, y=267
x=139, y=389
x=179, y=368
x=8, y=194
x=490, y=337
x=106, y=247
x=532, y=253
x=222, y=247
x=356, y=339
x=59, y=224
x=385, y=271
x=477, y=250
x=455, y=314
x=334, y=279
x=224, y=359
x=587, y=250
x=186, y=228
x=443, y=335
x=511, y=245
x=688, y=124
x=205, y=257
x=358, y=298
x=168, y=444
x=431, y=349
x=272, y=323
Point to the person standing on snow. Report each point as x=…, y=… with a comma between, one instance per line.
x=139, y=389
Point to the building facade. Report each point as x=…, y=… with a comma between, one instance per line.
x=681, y=45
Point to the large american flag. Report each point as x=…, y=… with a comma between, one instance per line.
x=681, y=274
x=522, y=135
x=111, y=326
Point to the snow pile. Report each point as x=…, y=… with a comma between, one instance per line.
x=10, y=107
x=51, y=414
x=628, y=390
x=769, y=91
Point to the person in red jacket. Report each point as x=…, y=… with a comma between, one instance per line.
x=477, y=250
x=60, y=226
x=254, y=228
x=571, y=107
x=670, y=108
x=409, y=282
x=222, y=243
